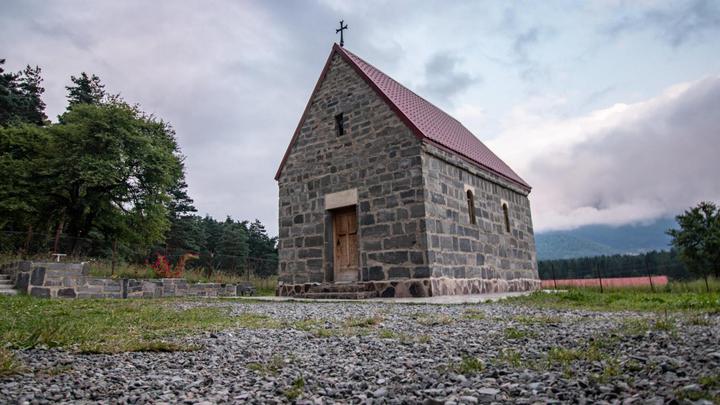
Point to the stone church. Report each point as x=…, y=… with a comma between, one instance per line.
x=382, y=194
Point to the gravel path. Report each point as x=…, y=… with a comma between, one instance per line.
x=386, y=353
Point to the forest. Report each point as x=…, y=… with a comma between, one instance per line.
x=106, y=180
x=666, y=262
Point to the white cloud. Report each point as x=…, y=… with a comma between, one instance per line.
x=622, y=164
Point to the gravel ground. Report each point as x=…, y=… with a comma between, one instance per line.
x=388, y=353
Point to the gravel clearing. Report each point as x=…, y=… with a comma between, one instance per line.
x=391, y=353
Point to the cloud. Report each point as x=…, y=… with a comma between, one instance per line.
x=622, y=164
x=677, y=24
x=443, y=79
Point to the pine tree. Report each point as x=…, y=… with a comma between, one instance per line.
x=86, y=90
x=32, y=108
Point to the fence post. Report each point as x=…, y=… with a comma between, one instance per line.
x=114, y=255
x=647, y=270
x=552, y=268
x=599, y=273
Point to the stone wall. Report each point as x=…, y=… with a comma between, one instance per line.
x=459, y=249
x=380, y=158
x=70, y=280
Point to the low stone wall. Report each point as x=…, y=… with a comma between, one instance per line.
x=70, y=280
x=428, y=287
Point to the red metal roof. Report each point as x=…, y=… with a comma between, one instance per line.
x=428, y=122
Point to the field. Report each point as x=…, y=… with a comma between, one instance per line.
x=578, y=345
x=614, y=282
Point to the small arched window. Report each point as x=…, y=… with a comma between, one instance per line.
x=506, y=214
x=471, y=206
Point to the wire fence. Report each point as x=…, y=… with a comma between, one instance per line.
x=650, y=275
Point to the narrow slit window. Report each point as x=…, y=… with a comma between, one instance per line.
x=507, y=217
x=339, y=124
x=471, y=206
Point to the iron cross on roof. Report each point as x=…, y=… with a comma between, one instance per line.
x=340, y=30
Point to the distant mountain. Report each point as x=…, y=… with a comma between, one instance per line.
x=597, y=240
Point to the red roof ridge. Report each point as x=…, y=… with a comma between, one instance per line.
x=428, y=122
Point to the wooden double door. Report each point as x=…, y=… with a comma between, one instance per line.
x=345, y=251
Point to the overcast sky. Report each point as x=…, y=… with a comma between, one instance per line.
x=609, y=109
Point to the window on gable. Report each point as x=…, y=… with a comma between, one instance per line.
x=339, y=124
x=471, y=206
x=506, y=213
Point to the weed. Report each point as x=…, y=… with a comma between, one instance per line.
x=468, y=365
x=273, y=366
x=474, y=314
x=433, y=319
x=387, y=334
x=306, y=325
x=296, y=389
x=324, y=332
x=710, y=381
x=699, y=320
x=363, y=322
x=510, y=357
x=9, y=364
x=634, y=327
x=514, y=333
x=424, y=339
x=633, y=366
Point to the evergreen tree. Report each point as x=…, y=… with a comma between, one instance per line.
x=85, y=90
x=233, y=249
x=31, y=90
x=21, y=97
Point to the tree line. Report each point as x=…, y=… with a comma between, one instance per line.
x=105, y=180
x=695, y=252
x=649, y=263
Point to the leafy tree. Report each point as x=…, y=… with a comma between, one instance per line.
x=698, y=239
x=114, y=167
x=85, y=90
x=23, y=164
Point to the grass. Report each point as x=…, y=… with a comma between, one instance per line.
x=468, y=365
x=272, y=366
x=510, y=357
x=427, y=319
x=676, y=297
x=474, y=314
x=9, y=364
x=363, y=322
x=296, y=389
x=515, y=333
x=109, y=326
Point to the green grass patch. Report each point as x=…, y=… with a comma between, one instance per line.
x=628, y=299
x=468, y=365
x=9, y=364
x=108, y=326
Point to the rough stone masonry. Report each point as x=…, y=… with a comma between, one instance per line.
x=415, y=235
